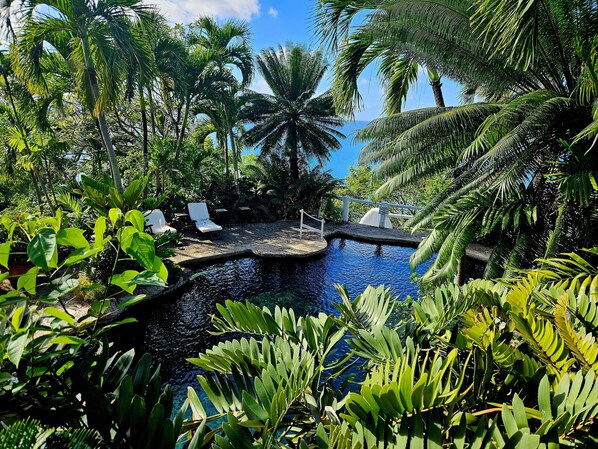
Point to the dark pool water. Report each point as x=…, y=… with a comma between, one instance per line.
x=176, y=328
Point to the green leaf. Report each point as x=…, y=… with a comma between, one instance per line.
x=16, y=347
x=99, y=229
x=81, y=254
x=160, y=269
x=130, y=301
x=115, y=216
x=64, y=286
x=132, y=192
x=28, y=281
x=60, y=314
x=140, y=246
x=68, y=340
x=124, y=280
x=136, y=218
x=4, y=254
x=196, y=406
x=72, y=237
x=42, y=250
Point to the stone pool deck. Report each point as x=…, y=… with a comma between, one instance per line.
x=281, y=239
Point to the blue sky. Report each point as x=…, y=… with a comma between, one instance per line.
x=277, y=22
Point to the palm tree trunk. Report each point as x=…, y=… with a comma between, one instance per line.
x=179, y=142
x=294, y=161
x=150, y=98
x=226, y=167
x=103, y=124
x=436, y=87
x=234, y=154
x=38, y=193
x=437, y=90
x=144, y=149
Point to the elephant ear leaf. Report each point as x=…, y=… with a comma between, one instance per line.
x=42, y=249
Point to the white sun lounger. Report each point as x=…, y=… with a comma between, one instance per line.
x=198, y=212
x=156, y=222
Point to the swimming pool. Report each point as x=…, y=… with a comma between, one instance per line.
x=176, y=328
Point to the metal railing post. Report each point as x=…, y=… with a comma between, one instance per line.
x=301, y=225
x=383, y=209
x=346, y=202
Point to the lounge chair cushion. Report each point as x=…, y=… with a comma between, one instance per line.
x=207, y=226
x=155, y=220
x=198, y=212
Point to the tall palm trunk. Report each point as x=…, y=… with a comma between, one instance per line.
x=144, y=149
x=294, y=162
x=436, y=87
x=150, y=98
x=226, y=164
x=235, y=156
x=181, y=136
x=102, y=123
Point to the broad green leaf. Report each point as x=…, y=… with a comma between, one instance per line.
x=42, y=250
x=16, y=347
x=115, y=216
x=124, y=280
x=81, y=254
x=160, y=269
x=68, y=340
x=100, y=306
x=60, y=314
x=28, y=281
x=99, y=229
x=140, y=246
x=72, y=237
x=4, y=276
x=136, y=218
x=132, y=192
x=196, y=406
x=130, y=301
x=148, y=278
x=4, y=253
x=63, y=287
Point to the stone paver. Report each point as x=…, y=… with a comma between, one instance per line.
x=281, y=239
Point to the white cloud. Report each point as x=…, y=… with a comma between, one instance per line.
x=185, y=11
x=259, y=84
x=273, y=12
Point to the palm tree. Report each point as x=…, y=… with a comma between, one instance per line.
x=95, y=38
x=294, y=120
x=229, y=47
x=363, y=46
x=523, y=163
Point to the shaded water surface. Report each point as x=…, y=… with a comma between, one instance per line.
x=176, y=328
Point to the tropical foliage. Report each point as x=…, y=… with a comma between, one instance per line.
x=293, y=121
x=490, y=365
x=521, y=148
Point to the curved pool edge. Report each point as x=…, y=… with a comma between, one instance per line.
x=277, y=240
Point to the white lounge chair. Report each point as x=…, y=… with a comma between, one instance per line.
x=198, y=212
x=156, y=222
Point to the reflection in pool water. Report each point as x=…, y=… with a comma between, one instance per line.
x=177, y=328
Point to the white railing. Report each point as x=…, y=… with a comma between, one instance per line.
x=303, y=226
x=406, y=210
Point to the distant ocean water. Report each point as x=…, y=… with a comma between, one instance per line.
x=347, y=156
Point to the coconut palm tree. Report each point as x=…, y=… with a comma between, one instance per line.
x=93, y=37
x=523, y=163
x=293, y=120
